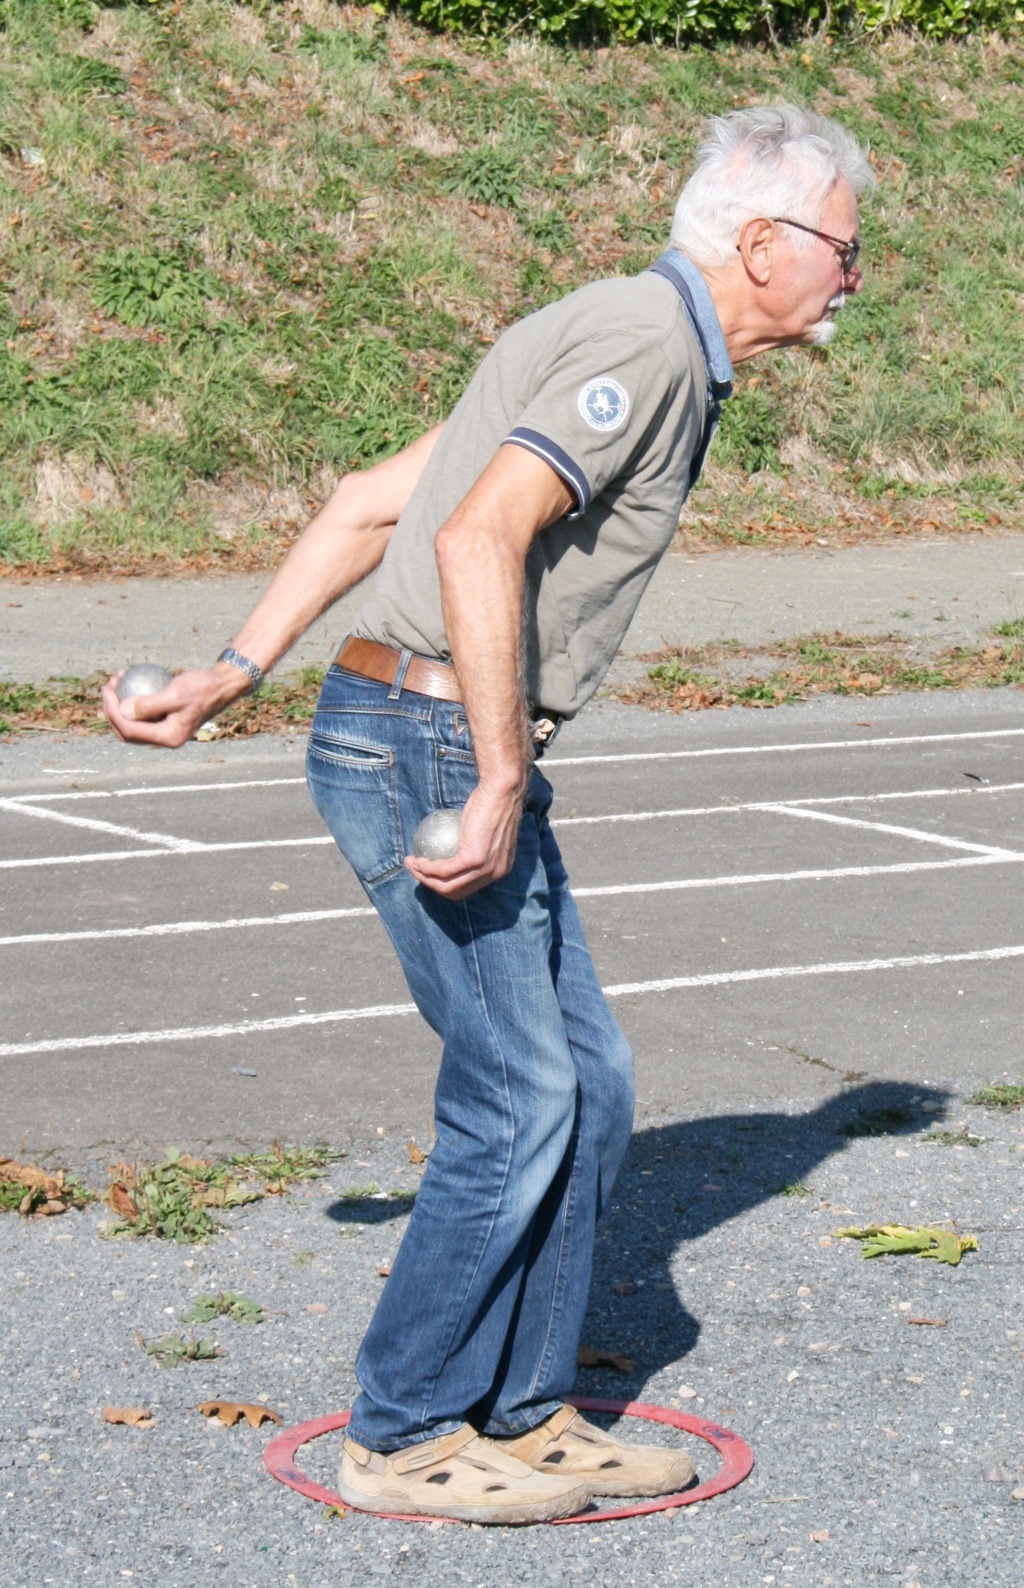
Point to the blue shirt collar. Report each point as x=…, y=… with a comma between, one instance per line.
x=708, y=324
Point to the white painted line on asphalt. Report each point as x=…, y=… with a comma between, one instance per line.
x=572, y=760
x=687, y=883
x=123, y=1039
x=182, y=928
x=157, y=788
x=916, y=833
x=761, y=805
x=196, y=846
x=836, y=968
x=302, y=917
x=781, y=749
x=185, y=846
x=241, y=1028
x=165, y=840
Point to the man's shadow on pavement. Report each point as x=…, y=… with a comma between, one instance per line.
x=681, y=1181
x=678, y=1183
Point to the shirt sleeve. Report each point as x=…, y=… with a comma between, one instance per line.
x=593, y=413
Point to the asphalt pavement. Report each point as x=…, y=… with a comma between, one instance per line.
x=808, y=922
x=938, y=590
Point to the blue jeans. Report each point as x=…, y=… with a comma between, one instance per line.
x=481, y=1316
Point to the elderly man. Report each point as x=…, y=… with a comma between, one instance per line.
x=512, y=546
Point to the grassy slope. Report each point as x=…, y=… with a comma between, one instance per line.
x=246, y=248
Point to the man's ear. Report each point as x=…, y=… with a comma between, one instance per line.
x=756, y=248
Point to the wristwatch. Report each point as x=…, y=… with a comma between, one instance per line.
x=253, y=673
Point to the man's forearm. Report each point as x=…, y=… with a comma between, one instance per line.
x=481, y=558
x=343, y=544
x=482, y=600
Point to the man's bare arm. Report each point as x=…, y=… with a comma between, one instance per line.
x=481, y=555
x=343, y=544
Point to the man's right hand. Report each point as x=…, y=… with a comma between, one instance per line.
x=172, y=716
x=487, y=844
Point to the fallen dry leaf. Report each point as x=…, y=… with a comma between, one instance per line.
x=130, y=1416
x=588, y=1356
x=416, y=1154
x=931, y=1323
x=228, y=1413
x=46, y=1192
x=122, y=1201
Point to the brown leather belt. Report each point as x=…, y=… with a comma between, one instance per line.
x=380, y=662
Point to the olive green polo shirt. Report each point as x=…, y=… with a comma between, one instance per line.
x=609, y=385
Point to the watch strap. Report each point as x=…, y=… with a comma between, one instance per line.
x=254, y=674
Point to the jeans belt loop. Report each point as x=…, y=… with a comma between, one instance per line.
x=404, y=659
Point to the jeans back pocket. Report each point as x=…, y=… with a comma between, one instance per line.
x=352, y=784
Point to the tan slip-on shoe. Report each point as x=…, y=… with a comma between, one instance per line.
x=458, y=1475
x=567, y=1444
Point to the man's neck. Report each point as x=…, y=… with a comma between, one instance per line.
x=744, y=335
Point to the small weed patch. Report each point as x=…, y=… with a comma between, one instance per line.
x=228, y=1304
x=371, y=1193
x=954, y=1138
x=176, y=1199
x=702, y=678
x=795, y=1188
x=168, y=1350
x=1000, y=1095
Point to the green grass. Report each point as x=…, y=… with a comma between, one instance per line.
x=243, y=251
x=697, y=678
x=1000, y=1094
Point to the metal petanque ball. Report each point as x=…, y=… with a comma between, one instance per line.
x=145, y=678
x=437, y=836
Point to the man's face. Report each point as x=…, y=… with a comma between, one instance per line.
x=809, y=284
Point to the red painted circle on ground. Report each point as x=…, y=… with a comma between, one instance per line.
x=737, y=1461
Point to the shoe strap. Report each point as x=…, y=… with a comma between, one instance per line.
x=431, y=1451
x=529, y=1445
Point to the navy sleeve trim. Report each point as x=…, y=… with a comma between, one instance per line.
x=560, y=461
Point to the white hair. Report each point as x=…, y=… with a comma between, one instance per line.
x=771, y=160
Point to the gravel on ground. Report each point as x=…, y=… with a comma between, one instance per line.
x=886, y=1449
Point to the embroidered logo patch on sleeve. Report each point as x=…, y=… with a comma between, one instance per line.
x=603, y=403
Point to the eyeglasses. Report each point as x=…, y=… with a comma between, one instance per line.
x=848, y=252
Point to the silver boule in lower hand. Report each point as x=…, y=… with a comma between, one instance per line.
x=437, y=836
x=145, y=678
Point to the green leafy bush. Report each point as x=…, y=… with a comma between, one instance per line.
x=752, y=428
x=677, y=21
x=160, y=290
